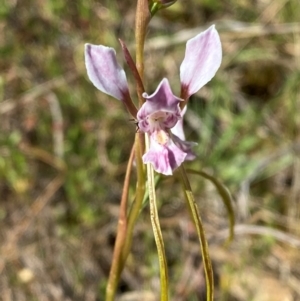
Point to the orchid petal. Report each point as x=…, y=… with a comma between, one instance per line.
x=164, y=158
x=178, y=138
x=105, y=72
x=202, y=59
x=162, y=100
x=178, y=128
x=186, y=147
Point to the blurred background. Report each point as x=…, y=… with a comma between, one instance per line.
x=64, y=147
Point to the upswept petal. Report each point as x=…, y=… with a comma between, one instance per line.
x=202, y=59
x=164, y=158
x=105, y=72
x=162, y=99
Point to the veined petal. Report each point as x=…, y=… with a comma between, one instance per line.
x=186, y=147
x=178, y=138
x=178, y=128
x=203, y=56
x=105, y=72
x=164, y=158
x=161, y=106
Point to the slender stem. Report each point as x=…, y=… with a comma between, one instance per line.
x=142, y=20
x=115, y=270
x=201, y=234
x=226, y=198
x=143, y=17
x=140, y=192
x=164, y=296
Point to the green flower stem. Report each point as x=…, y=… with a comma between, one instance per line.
x=201, y=234
x=140, y=192
x=164, y=295
x=116, y=269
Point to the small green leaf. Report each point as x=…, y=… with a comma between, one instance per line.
x=201, y=234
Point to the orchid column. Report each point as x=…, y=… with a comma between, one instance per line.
x=159, y=117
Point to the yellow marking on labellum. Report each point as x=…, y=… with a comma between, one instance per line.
x=161, y=137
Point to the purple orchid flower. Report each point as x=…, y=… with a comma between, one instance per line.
x=160, y=116
x=157, y=116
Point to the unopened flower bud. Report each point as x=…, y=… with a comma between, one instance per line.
x=156, y=5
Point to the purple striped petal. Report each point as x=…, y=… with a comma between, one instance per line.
x=105, y=72
x=160, y=110
x=178, y=138
x=186, y=147
x=164, y=158
x=202, y=59
x=178, y=128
